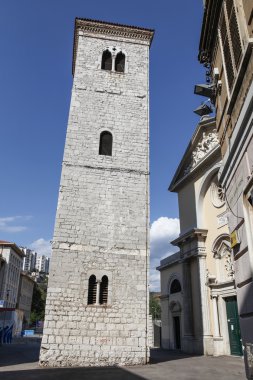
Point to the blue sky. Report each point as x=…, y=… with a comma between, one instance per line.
x=35, y=76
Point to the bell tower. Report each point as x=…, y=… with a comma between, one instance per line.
x=97, y=302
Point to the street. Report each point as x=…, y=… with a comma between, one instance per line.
x=20, y=361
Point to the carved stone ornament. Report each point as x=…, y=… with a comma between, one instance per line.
x=175, y=307
x=229, y=265
x=206, y=144
x=217, y=195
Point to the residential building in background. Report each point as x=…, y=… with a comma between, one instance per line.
x=16, y=290
x=100, y=262
x=226, y=50
x=12, y=261
x=42, y=264
x=25, y=294
x=198, y=297
x=29, y=263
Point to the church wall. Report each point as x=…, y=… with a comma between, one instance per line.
x=211, y=223
x=187, y=208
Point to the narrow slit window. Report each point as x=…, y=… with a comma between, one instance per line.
x=105, y=144
x=106, y=60
x=92, y=290
x=103, y=297
x=120, y=62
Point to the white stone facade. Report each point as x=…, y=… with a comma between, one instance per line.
x=199, y=315
x=29, y=262
x=102, y=217
x=25, y=295
x=42, y=264
x=12, y=259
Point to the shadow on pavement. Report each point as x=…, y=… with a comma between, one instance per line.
x=104, y=373
x=158, y=355
x=22, y=353
x=18, y=353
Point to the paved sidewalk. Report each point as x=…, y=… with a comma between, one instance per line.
x=19, y=361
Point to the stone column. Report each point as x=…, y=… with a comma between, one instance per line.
x=205, y=312
x=187, y=295
x=216, y=325
x=98, y=292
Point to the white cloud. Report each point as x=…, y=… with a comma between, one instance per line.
x=162, y=231
x=7, y=226
x=42, y=247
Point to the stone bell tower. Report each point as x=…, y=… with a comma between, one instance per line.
x=97, y=303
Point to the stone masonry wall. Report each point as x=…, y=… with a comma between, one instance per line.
x=102, y=217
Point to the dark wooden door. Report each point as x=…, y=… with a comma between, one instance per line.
x=233, y=326
x=177, y=334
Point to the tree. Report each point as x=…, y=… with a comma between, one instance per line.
x=154, y=306
x=39, y=301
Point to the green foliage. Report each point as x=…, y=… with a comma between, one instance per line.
x=39, y=301
x=154, y=306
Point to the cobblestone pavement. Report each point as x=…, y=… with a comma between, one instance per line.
x=19, y=361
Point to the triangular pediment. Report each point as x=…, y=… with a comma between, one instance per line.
x=203, y=143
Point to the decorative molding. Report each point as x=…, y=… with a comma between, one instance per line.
x=205, y=145
x=210, y=278
x=118, y=30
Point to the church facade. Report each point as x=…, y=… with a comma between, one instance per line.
x=97, y=302
x=198, y=301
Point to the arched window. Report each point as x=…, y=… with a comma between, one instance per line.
x=106, y=60
x=120, y=62
x=105, y=144
x=103, y=296
x=175, y=287
x=92, y=290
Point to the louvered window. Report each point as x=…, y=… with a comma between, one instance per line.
x=229, y=5
x=103, y=291
x=231, y=41
x=92, y=290
x=235, y=37
x=120, y=62
x=105, y=144
x=106, y=60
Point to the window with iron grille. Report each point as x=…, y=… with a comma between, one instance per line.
x=105, y=144
x=103, y=296
x=231, y=40
x=106, y=60
x=92, y=290
x=120, y=62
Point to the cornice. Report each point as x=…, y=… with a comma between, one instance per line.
x=194, y=233
x=109, y=29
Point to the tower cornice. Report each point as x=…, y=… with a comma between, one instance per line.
x=109, y=29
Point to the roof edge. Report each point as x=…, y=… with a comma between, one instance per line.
x=13, y=246
x=204, y=123
x=210, y=20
